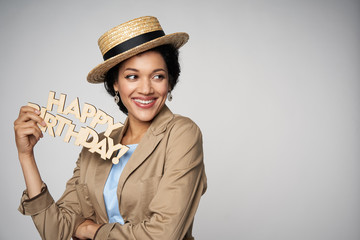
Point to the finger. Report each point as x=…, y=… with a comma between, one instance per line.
x=19, y=129
x=29, y=110
x=29, y=124
x=30, y=131
x=28, y=116
x=25, y=109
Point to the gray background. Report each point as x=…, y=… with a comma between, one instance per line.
x=274, y=86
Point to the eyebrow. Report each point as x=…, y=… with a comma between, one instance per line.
x=136, y=70
x=159, y=69
x=131, y=69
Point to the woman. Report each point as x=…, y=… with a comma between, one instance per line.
x=154, y=191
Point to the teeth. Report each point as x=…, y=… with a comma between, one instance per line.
x=144, y=101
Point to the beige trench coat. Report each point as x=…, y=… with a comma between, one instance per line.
x=159, y=189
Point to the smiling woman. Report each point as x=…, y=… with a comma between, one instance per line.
x=168, y=53
x=154, y=190
x=143, y=86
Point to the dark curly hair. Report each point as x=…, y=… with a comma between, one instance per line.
x=171, y=57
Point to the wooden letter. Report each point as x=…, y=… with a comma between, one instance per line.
x=100, y=148
x=34, y=105
x=122, y=151
x=111, y=126
x=62, y=121
x=100, y=117
x=70, y=133
x=86, y=136
x=42, y=113
x=51, y=122
x=88, y=111
x=73, y=108
x=81, y=136
x=53, y=101
x=112, y=148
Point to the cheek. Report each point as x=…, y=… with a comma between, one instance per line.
x=164, y=88
x=163, y=93
x=125, y=88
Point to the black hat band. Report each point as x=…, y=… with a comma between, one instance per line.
x=133, y=42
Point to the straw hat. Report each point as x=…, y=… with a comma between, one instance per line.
x=129, y=39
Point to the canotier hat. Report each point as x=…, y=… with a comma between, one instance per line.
x=131, y=38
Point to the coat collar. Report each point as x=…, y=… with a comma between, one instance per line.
x=146, y=146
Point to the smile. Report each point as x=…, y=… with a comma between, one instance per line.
x=144, y=101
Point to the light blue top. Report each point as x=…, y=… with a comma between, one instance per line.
x=110, y=189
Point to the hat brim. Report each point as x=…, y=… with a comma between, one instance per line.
x=97, y=75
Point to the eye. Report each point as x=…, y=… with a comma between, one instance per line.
x=159, y=76
x=131, y=77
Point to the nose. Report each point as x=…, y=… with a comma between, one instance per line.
x=145, y=86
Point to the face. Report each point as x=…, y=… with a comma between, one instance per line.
x=143, y=86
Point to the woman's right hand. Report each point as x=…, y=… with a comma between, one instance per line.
x=27, y=131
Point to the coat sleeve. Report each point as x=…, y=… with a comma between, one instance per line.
x=176, y=200
x=54, y=220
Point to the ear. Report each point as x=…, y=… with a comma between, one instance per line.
x=116, y=88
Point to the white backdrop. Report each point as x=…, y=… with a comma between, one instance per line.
x=274, y=86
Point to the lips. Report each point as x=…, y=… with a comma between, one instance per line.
x=144, y=103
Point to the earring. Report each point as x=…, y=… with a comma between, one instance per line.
x=116, y=97
x=170, y=97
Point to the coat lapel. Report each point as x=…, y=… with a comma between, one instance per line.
x=101, y=174
x=147, y=144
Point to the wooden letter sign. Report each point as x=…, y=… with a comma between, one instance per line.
x=86, y=136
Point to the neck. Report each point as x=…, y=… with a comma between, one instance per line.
x=136, y=130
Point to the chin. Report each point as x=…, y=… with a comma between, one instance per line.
x=145, y=117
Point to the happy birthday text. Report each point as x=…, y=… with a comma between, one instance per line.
x=86, y=136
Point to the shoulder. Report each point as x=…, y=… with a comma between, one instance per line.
x=173, y=124
x=179, y=119
x=181, y=125
x=184, y=135
x=184, y=145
